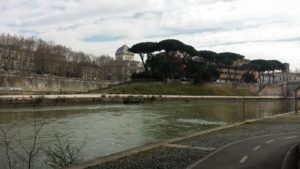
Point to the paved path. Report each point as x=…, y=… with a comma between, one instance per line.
x=266, y=152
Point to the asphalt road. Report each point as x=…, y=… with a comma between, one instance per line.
x=266, y=152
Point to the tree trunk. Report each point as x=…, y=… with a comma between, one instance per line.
x=234, y=75
x=229, y=75
x=259, y=74
x=143, y=62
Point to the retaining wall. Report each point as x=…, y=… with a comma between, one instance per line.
x=252, y=87
x=52, y=84
x=273, y=90
x=40, y=100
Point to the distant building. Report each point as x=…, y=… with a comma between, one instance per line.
x=124, y=54
x=286, y=67
x=281, y=77
x=234, y=75
x=240, y=62
x=284, y=76
x=125, y=64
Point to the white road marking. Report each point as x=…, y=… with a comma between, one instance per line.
x=291, y=137
x=244, y=159
x=256, y=148
x=270, y=141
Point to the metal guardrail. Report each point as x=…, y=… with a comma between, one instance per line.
x=292, y=158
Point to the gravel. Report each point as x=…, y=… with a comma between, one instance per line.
x=160, y=158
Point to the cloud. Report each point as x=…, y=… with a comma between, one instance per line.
x=249, y=27
x=102, y=38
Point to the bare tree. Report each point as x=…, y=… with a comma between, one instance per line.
x=6, y=145
x=106, y=66
x=64, y=153
x=35, y=56
x=21, y=150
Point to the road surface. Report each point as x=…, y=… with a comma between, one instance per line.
x=266, y=152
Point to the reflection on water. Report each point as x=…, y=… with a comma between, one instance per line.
x=110, y=128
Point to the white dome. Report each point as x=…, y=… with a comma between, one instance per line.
x=124, y=51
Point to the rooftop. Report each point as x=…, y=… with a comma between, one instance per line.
x=124, y=50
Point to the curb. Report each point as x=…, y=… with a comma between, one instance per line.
x=147, y=147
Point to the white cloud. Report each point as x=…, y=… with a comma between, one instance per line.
x=255, y=28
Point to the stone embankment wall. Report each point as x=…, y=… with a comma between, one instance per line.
x=50, y=84
x=272, y=90
x=41, y=100
x=252, y=87
x=262, y=90
x=57, y=85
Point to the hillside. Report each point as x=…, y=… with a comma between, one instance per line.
x=160, y=88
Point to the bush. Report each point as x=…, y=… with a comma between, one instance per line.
x=64, y=153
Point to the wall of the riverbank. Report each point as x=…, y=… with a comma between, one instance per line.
x=245, y=86
x=50, y=84
x=273, y=90
x=36, y=84
x=41, y=100
x=264, y=90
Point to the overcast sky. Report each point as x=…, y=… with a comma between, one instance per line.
x=258, y=29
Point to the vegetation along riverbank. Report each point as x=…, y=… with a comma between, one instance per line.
x=161, y=88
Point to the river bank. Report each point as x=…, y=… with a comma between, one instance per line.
x=182, y=88
x=180, y=153
x=41, y=100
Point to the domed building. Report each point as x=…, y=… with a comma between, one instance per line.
x=124, y=54
x=125, y=64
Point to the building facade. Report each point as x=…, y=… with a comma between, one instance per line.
x=235, y=74
x=280, y=77
x=125, y=65
x=123, y=54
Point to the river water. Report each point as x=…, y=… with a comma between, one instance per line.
x=110, y=128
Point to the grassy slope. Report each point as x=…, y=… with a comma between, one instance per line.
x=159, y=88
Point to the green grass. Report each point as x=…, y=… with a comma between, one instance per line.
x=160, y=88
